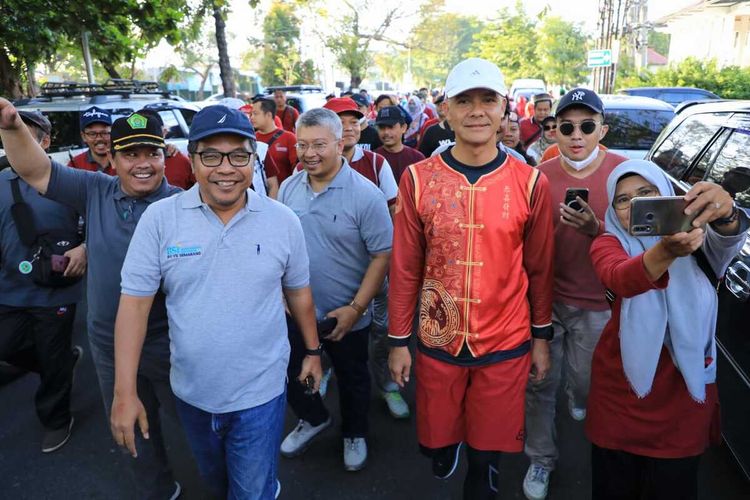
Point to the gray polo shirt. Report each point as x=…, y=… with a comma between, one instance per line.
x=17, y=289
x=111, y=218
x=223, y=283
x=345, y=224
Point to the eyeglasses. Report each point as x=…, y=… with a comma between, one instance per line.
x=317, y=147
x=586, y=126
x=622, y=202
x=547, y=128
x=238, y=158
x=96, y=135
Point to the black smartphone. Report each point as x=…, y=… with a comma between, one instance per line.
x=659, y=215
x=570, y=198
x=326, y=326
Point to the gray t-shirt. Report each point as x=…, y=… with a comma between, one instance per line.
x=111, y=218
x=18, y=289
x=223, y=284
x=345, y=224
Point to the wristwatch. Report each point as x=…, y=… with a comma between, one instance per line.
x=357, y=307
x=314, y=352
x=724, y=221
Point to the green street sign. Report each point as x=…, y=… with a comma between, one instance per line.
x=599, y=58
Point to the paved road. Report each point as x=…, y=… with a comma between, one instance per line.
x=90, y=466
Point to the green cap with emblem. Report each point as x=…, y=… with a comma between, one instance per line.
x=137, y=130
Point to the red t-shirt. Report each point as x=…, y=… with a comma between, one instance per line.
x=288, y=117
x=85, y=161
x=178, y=171
x=576, y=283
x=401, y=160
x=666, y=423
x=282, y=151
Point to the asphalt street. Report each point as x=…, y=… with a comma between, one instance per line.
x=91, y=467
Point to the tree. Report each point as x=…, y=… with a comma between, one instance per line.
x=510, y=42
x=32, y=30
x=439, y=41
x=562, y=52
x=281, y=63
x=351, y=44
x=225, y=66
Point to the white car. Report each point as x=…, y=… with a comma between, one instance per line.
x=634, y=123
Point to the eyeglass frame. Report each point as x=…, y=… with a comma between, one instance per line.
x=579, y=126
x=638, y=194
x=95, y=135
x=227, y=156
x=316, y=148
x=551, y=127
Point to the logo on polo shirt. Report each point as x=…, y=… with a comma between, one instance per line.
x=178, y=252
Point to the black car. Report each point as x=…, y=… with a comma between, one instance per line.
x=711, y=141
x=673, y=95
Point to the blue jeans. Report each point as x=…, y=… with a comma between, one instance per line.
x=237, y=452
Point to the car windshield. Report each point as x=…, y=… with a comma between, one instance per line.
x=634, y=128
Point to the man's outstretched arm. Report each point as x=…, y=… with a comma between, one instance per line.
x=24, y=153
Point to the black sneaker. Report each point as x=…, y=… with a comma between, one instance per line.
x=55, y=439
x=445, y=461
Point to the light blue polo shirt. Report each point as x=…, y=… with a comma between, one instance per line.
x=223, y=286
x=345, y=224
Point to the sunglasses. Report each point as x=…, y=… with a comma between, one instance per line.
x=550, y=127
x=586, y=126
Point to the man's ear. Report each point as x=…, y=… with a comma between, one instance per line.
x=111, y=160
x=605, y=129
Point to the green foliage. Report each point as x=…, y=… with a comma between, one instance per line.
x=729, y=82
x=561, y=52
x=281, y=64
x=510, y=42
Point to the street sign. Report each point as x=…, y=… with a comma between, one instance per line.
x=599, y=58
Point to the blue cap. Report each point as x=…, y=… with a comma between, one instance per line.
x=95, y=115
x=220, y=119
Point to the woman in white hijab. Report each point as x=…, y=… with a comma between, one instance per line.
x=415, y=107
x=653, y=404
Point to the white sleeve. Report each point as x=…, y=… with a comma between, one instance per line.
x=387, y=181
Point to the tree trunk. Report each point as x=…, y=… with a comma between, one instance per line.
x=225, y=67
x=110, y=69
x=10, y=78
x=31, y=83
x=204, y=77
x=354, y=82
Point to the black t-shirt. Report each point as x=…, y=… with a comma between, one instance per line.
x=473, y=173
x=434, y=137
x=369, y=139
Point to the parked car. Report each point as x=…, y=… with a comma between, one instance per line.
x=62, y=103
x=634, y=123
x=672, y=95
x=302, y=97
x=526, y=86
x=711, y=141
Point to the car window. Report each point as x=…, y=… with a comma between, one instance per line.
x=174, y=131
x=698, y=172
x=66, y=134
x=735, y=153
x=188, y=115
x=680, y=148
x=634, y=128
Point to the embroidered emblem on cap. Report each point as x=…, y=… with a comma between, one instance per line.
x=222, y=119
x=578, y=96
x=475, y=73
x=94, y=112
x=137, y=121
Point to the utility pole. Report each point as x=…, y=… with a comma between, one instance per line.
x=611, y=26
x=87, y=56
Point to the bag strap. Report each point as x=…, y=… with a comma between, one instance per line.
x=23, y=217
x=275, y=136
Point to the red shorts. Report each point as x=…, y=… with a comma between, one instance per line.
x=482, y=406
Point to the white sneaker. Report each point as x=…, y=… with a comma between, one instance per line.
x=578, y=414
x=323, y=389
x=355, y=453
x=396, y=404
x=536, y=482
x=297, y=441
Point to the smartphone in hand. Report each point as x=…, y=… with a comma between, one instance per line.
x=59, y=263
x=659, y=216
x=570, y=198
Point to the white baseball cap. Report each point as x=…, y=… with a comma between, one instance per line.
x=474, y=73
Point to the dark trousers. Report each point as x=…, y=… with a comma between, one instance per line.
x=349, y=359
x=618, y=475
x=38, y=339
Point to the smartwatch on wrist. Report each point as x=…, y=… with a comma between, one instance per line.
x=724, y=221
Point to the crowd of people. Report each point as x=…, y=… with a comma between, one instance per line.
x=227, y=284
